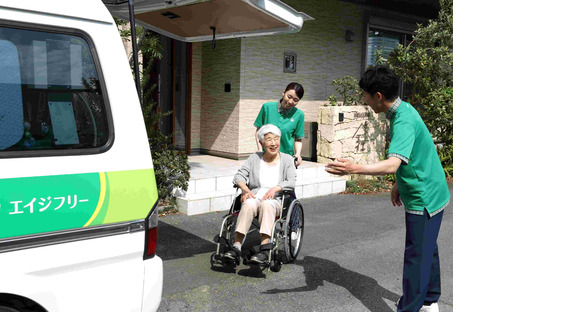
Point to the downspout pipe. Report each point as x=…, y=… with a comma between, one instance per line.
x=135, y=51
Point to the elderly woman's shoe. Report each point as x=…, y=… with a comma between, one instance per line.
x=233, y=254
x=259, y=258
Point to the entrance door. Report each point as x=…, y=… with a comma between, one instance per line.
x=180, y=90
x=173, y=90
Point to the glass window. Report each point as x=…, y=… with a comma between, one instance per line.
x=381, y=40
x=386, y=41
x=50, y=95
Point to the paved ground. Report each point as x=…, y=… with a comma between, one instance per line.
x=351, y=260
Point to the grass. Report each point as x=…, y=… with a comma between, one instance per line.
x=367, y=186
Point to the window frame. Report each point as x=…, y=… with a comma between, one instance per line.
x=390, y=25
x=106, y=103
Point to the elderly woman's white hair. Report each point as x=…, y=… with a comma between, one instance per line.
x=269, y=128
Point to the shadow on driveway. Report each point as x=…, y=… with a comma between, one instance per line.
x=175, y=243
x=362, y=287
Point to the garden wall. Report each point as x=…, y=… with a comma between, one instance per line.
x=359, y=135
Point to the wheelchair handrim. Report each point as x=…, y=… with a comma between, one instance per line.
x=295, y=225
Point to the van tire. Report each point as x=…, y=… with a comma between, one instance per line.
x=15, y=303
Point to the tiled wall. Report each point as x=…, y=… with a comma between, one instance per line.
x=219, y=109
x=196, y=66
x=323, y=55
x=253, y=66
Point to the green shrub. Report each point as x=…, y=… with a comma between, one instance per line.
x=368, y=186
x=426, y=66
x=170, y=165
x=347, y=87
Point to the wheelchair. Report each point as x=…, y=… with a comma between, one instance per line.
x=285, y=241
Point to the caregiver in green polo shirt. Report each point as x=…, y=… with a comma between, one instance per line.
x=420, y=186
x=288, y=118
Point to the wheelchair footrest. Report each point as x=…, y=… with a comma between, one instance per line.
x=265, y=247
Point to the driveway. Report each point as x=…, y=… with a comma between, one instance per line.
x=351, y=260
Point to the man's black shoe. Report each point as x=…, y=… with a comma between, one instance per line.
x=233, y=254
x=259, y=258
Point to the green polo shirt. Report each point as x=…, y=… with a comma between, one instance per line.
x=290, y=122
x=420, y=178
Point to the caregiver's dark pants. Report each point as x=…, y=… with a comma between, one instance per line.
x=421, y=275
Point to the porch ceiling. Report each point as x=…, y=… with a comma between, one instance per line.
x=191, y=20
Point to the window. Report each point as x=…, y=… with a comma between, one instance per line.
x=50, y=94
x=385, y=41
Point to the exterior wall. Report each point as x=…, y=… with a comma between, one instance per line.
x=128, y=44
x=323, y=55
x=196, y=65
x=254, y=67
x=219, y=109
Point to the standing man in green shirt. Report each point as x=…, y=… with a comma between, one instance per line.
x=288, y=118
x=420, y=186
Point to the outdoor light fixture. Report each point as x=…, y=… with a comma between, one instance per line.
x=349, y=36
x=170, y=15
x=213, y=43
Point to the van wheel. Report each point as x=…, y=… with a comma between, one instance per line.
x=14, y=303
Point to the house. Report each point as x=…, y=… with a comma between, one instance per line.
x=215, y=88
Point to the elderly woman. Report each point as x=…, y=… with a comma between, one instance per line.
x=262, y=178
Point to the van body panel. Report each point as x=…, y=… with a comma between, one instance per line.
x=152, y=290
x=89, y=10
x=92, y=268
x=130, y=149
x=52, y=203
x=103, y=274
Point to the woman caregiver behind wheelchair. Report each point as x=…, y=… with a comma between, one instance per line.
x=262, y=178
x=285, y=115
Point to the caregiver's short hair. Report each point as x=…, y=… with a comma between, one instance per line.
x=269, y=128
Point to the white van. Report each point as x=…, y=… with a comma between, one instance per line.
x=78, y=216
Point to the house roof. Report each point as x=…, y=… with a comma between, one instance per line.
x=424, y=8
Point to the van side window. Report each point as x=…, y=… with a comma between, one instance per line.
x=50, y=94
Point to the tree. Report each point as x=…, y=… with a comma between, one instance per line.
x=426, y=66
x=170, y=165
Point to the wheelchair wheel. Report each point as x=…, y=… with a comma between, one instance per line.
x=231, y=231
x=275, y=265
x=292, y=233
x=226, y=237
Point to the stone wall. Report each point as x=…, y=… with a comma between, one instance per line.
x=360, y=137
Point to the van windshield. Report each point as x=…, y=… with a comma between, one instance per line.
x=50, y=95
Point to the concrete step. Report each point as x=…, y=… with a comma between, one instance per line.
x=212, y=199
x=200, y=184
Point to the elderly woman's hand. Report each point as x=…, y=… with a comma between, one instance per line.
x=246, y=195
x=272, y=192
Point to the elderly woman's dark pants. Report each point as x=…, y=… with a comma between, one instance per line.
x=421, y=275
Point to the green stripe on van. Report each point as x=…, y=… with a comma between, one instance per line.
x=36, y=205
